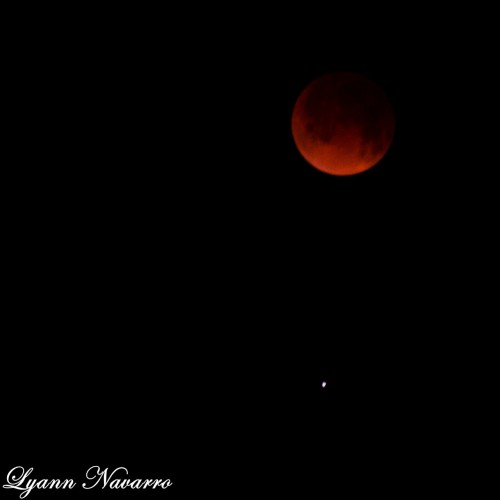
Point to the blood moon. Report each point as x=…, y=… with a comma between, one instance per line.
x=343, y=123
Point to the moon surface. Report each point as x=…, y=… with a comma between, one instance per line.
x=343, y=123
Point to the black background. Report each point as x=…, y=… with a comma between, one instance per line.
x=178, y=281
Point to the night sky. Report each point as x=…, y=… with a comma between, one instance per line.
x=179, y=281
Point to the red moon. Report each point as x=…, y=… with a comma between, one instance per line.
x=343, y=123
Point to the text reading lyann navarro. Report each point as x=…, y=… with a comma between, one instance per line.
x=117, y=479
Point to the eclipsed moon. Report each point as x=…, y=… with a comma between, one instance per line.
x=343, y=123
